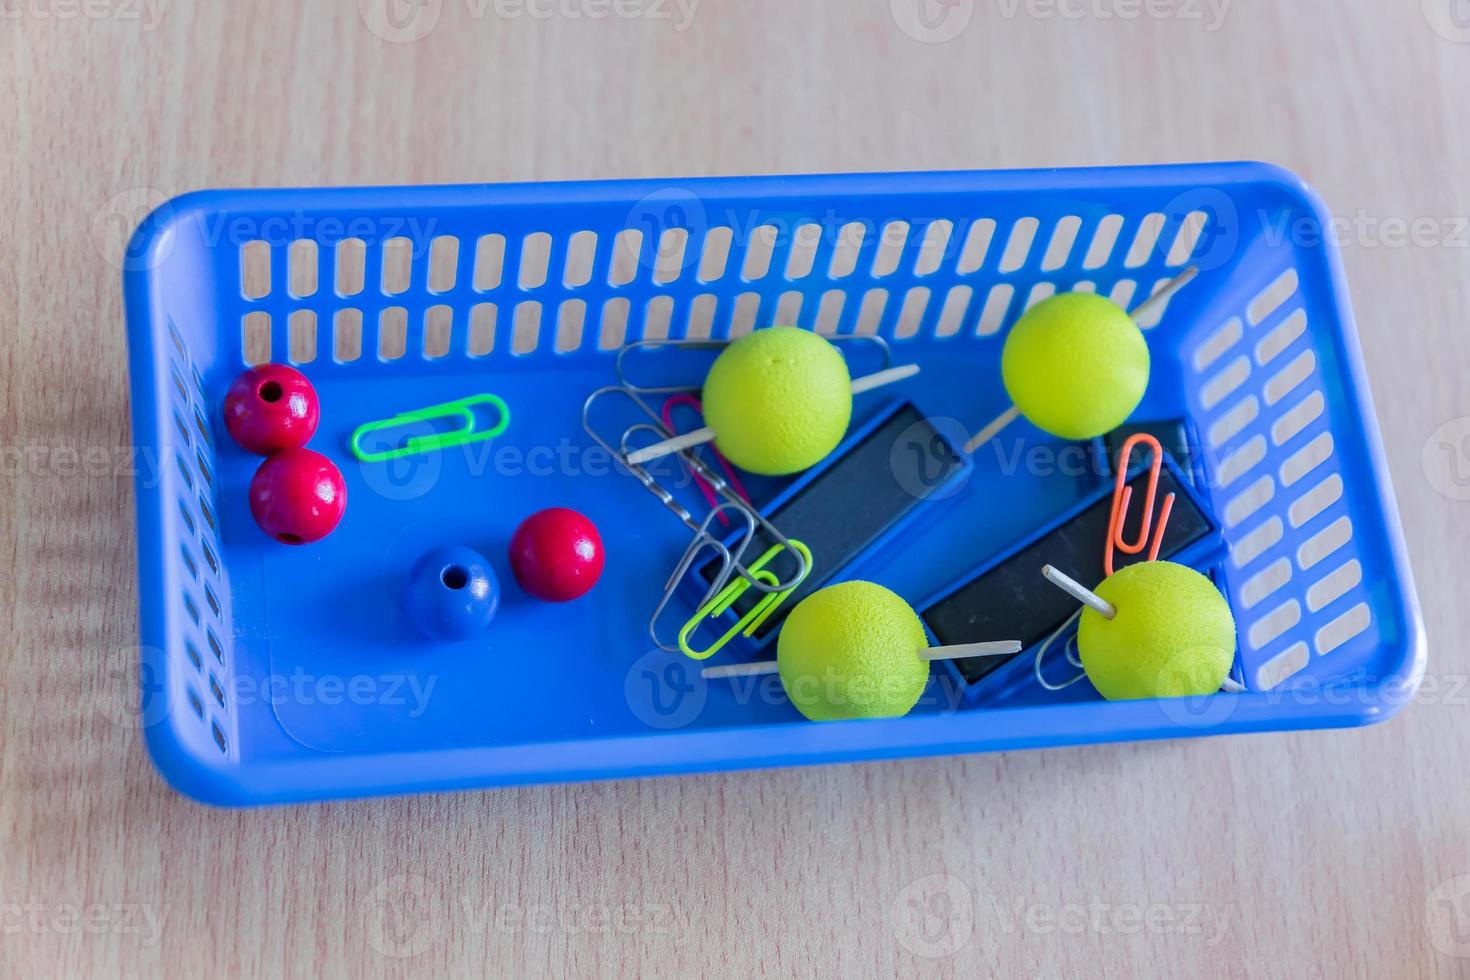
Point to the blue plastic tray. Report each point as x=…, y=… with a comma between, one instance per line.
x=273, y=673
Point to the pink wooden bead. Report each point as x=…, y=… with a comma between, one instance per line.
x=297, y=496
x=270, y=408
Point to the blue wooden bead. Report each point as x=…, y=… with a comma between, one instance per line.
x=452, y=593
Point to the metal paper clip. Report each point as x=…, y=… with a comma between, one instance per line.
x=731, y=559
x=728, y=500
x=1069, y=650
x=758, y=614
x=466, y=433
x=654, y=431
x=686, y=400
x=720, y=553
x=1123, y=495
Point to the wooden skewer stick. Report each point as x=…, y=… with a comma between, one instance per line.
x=992, y=429
x=753, y=669
x=1158, y=299
x=677, y=444
x=1077, y=591
x=958, y=651
x=705, y=434
x=1161, y=297
x=885, y=377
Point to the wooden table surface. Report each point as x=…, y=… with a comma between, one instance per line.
x=1316, y=854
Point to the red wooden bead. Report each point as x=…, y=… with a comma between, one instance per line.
x=297, y=496
x=556, y=554
x=270, y=408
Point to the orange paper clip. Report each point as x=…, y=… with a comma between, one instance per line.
x=1123, y=495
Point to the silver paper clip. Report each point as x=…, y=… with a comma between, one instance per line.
x=730, y=562
x=720, y=553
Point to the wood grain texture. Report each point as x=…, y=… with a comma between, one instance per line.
x=1318, y=854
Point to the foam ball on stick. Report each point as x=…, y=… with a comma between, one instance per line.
x=852, y=651
x=1075, y=365
x=776, y=402
x=1173, y=635
x=779, y=400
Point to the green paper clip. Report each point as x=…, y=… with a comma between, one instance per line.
x=727, y=596
x=433, y=442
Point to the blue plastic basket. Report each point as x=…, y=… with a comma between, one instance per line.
x=273, y=673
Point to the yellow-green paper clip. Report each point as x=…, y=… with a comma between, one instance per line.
x=466, y=433
x=726, y=597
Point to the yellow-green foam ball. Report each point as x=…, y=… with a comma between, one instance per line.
x=852, y=651
x=1173, y=635
x=779, y=400
x=1076, y=365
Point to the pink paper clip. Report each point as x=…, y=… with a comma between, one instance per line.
x=689, y=401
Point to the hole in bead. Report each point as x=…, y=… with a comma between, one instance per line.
x=271, y=391
x=286, y=537
x=454, y=576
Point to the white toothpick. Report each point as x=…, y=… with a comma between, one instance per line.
x=753, y=669
x=886, y=377
x=958, y=651
x=1076, y=590
x=1161, y=297
x=1158, y=299
x=992, y=429
x=705, y=434
x=677, y=444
